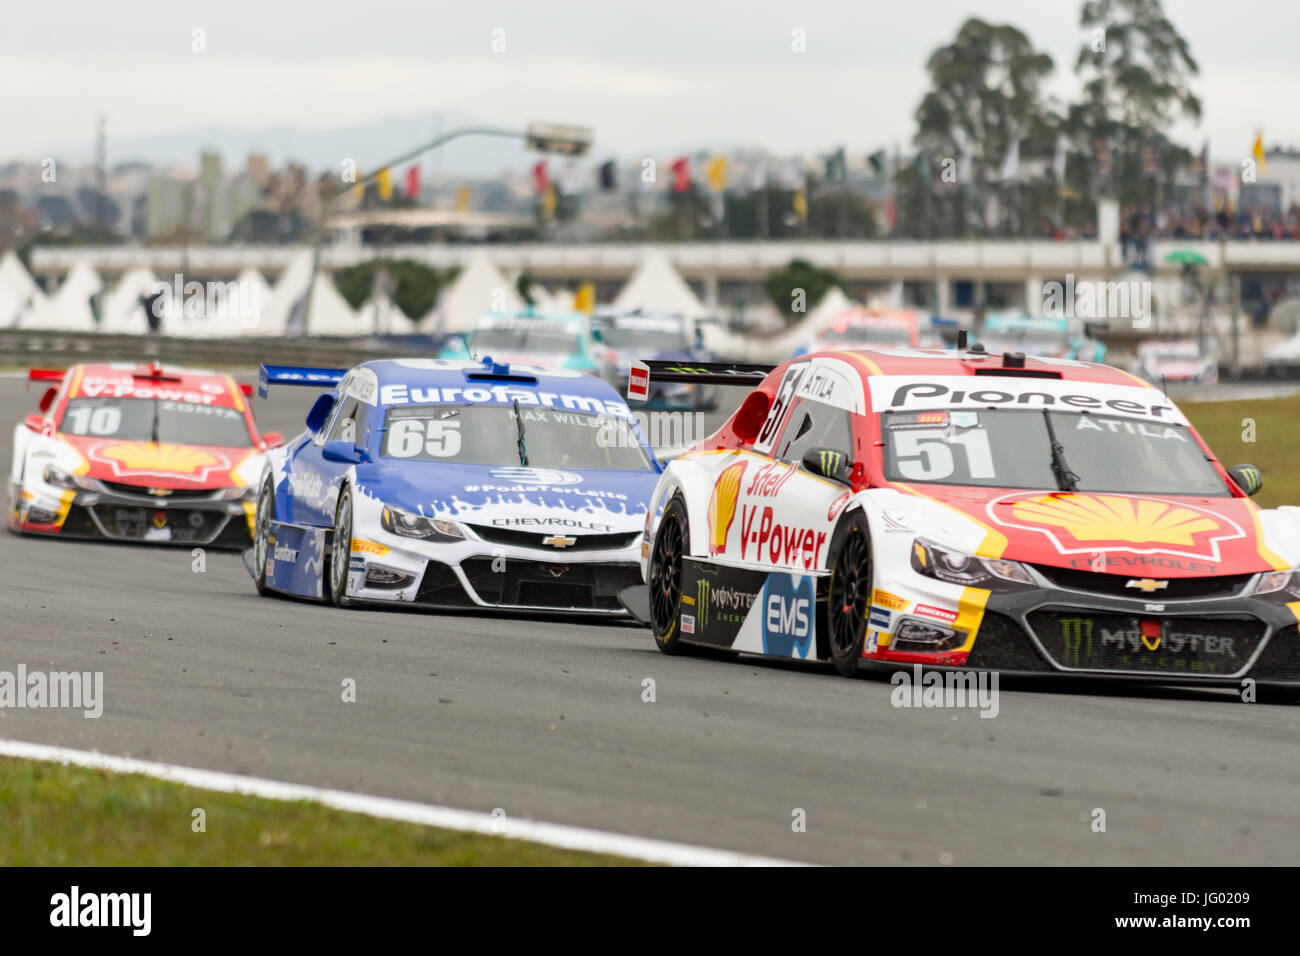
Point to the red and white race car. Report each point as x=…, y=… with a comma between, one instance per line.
x=872, y=328
x=138, y=453
x=965, y=509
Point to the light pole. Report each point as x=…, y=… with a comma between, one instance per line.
x=543, y=137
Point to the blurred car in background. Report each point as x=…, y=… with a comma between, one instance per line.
x=563, y=340
x=1041, y=337
x=145, y=453
x=662, y=337
x=875, y=328
x=1177, y=361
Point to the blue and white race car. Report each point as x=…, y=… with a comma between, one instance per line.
x=455, y=484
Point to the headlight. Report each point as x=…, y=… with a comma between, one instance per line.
x=1272, y=581
x=397, y=521
x=243, y=493
x=59, y=478
x=957, y=567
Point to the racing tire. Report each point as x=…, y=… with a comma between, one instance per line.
x=848, y=594
x=262, y=518
x=664, y=575
x=336, y=574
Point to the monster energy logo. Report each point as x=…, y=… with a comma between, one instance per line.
x=1254, y=480
x=1076, y=637
x=830, y=461
x=702, y=602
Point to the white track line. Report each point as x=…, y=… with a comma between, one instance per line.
x=551, y=834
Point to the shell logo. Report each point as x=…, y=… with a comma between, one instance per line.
x=137, y=458
x=1088, y=523
x=722, y=506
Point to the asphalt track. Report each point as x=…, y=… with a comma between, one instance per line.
x=544, y=719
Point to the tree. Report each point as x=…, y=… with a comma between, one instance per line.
x=415, y=286
x=985, y=95
x=1136, y=71
x=799, y=286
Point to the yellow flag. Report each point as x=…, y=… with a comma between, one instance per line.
x=584, y=300
x=359, y=190
x=801, y=205
x=717, y=173
x=548, y=202
x=385, y=185
x=462, y=199
x=1258, y=152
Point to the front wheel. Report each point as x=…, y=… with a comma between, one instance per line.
x=341, y=550
x=848, y=595
x=672, y=543
x=262, y=534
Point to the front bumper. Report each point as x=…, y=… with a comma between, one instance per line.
x=1218, y=640
x=203, y=519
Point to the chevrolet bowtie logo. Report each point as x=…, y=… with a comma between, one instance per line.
x=1147, y=585
x=559, y=541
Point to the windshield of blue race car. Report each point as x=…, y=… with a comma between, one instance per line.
x=508, y=435
x=152, y=419
x=1006, y=448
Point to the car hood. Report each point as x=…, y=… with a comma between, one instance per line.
x=162, y=464
x=1160, y=536
x=534, y=499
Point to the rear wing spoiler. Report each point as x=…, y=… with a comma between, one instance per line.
x=641, y=374
x=56, y=375
x=268, y=375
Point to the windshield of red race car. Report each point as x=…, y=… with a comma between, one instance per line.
x=491, y=435
x=1005, y=448
x=135, y=419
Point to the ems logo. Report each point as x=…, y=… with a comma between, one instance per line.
x=787, y=610
x=1087, y=524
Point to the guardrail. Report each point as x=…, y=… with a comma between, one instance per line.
x=63, y=348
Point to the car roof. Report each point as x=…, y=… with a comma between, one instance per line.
x=931, y=362
x=444, y=373
x=123, y=379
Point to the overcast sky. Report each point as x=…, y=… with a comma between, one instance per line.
x=649, y=75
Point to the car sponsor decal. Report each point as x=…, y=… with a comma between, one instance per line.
x=1095, y=523
x=688, y=623
x=891, y=601
x=941, y=613
x=638, y=381
x=763, y=538
x=916, y=392
x=143, y=459
x=722, y=506
x=838, y=505
x=537, y=476
x=789, y=609
x=719, y=599
x=880, y=618
x=401, y=394
x=833, y=382
x=362, y=546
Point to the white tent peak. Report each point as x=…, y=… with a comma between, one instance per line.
x=656, y=286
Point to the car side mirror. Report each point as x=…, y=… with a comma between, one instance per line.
x=1248, y=478
x=48, y=399
x=751, y=415
x=35, y=423
x=345, y=452
x=320, y=412
x=272, y=440
x=828, y=463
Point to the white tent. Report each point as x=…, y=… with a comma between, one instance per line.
x=22, y=303
x=331, y=314
x=123, y=312
x=479, y=288
x=227, y=310
x=71, y=302
x=656, y=286
x=287, y=293
x=832, y=304
x=381, y=316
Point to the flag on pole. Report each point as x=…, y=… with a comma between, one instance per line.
x=681, y=168
x=385, y=185
x=359, y=190
x=877, y=163
x=462, y=199
x=548, y=202
x=540, y=177
x=572, y=178
x=584, y=300
x=717, y=173
x=1011, y=164
x=413, y=182
x=801, y=204
x=758, y=176
x=836, y=170
x=1258, y=151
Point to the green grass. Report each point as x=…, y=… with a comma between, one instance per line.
x=1275, y=450
x=52, y=815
